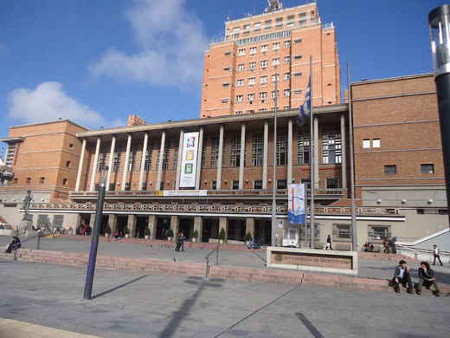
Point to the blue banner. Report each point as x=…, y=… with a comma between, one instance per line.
x=296, y=204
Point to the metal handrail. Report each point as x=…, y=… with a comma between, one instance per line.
x=216, y=249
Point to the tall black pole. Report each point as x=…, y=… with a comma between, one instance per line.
x=439, y=25
x=94, y=241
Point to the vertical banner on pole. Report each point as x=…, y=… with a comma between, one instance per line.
x=189, y=160
x=296, y=204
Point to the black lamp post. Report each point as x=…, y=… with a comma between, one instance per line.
x=438, y=21
x=95, y=236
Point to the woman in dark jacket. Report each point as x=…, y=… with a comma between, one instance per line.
x=426, y=277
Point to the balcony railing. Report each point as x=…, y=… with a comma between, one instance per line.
x=318, y=192
x=208, y=208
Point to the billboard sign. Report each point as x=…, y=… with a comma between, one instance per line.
x=296, y=204
x=189, y=160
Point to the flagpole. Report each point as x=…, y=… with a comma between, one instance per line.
x=312, y=163
x=274, y=176
x=352, y=165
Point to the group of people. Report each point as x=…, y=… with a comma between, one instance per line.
x=402, y=275
x=84, y=230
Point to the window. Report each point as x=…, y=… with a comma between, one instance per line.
x=257, y=24
x=70, y=145
x=286, y=76
x=275, y=62
x=390, y=169
x=42, y=180
x=303, y=150
x=257, y=184
x=342, y=231
x=101, y=162
x=226, y=100
x=427, y=168
x=235, y=185
x=239, y=98
x=331, y=147
x=165, y=162
x=263, y=79
x=247, y=26
x=281, y=149
x=257, y=150
x=252, y=50
x=297, y=74
x=227, y=53
x=241, y=67
x=287, y=92
x=376, y=143
x=65, y=181
x=252, y=81
x=148, y=160
x=68, y=164
x=225, y=84
x=366, y=143
x=240, y=83
x=227, y=69
x=235, y=156
x=28, y=180
x=264, y=48
x=297, y=40
x=296, y=92
x=275, y=94
x=116, y=162
x=268, y=23
x=378, y=232
x=281, y=184
x=213, y=185
x=275, y=77
x=251, y=97
x=58, y=221
x=264, y=64
x=297, y=57
x=252, y=65
x=214, y=152
x=241, y=51
x=287, y=59
x=262, y=109
x=287, y=44
x=333, y=183
x=263, y=96
x=132, y=160
x=275, y=45
x=238, y=112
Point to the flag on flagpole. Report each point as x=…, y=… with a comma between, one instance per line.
x=305, y=109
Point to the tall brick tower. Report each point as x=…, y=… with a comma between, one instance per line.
x=239, y=72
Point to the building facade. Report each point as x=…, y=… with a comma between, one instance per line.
x=268, y=53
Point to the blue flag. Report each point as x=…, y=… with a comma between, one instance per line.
x=305, y=109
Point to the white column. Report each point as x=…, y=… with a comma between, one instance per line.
x=160, y=162
x=127, y=160
x=219, y=160
x=94, y=167
x=180, y=155
x=110, y=164
x=266, y=151
x=316, y=152
x=344, y=153
x=199, y=162
x=80, y=165
x=144, y=152
x=289, y=157
x=242, y=158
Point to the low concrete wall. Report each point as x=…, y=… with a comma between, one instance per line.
x=343, y=262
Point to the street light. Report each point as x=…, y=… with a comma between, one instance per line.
x=274, y=174
x=438, y=21
x=95, y=235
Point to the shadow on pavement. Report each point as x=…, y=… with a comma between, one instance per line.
x=119, y=286
x=310, y=326
x=178, y=316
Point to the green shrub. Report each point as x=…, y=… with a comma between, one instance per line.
x=147, y=231
x=169, y=233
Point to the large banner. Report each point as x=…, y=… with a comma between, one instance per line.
x=296, y=204
x=189, y=160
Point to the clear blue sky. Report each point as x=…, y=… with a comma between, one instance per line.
x=96, y=61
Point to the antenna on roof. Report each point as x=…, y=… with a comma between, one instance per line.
x=274, y=5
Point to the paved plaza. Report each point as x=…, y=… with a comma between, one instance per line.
x=155, y=305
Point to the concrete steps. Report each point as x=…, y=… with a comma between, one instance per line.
x=199, y=270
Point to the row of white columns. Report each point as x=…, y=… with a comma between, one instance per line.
x=199, y=158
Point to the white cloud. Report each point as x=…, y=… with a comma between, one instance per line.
x=171, y=44
x=49, y=102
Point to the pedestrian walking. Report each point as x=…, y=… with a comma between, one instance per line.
x=328, y=243
x=436, y=254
